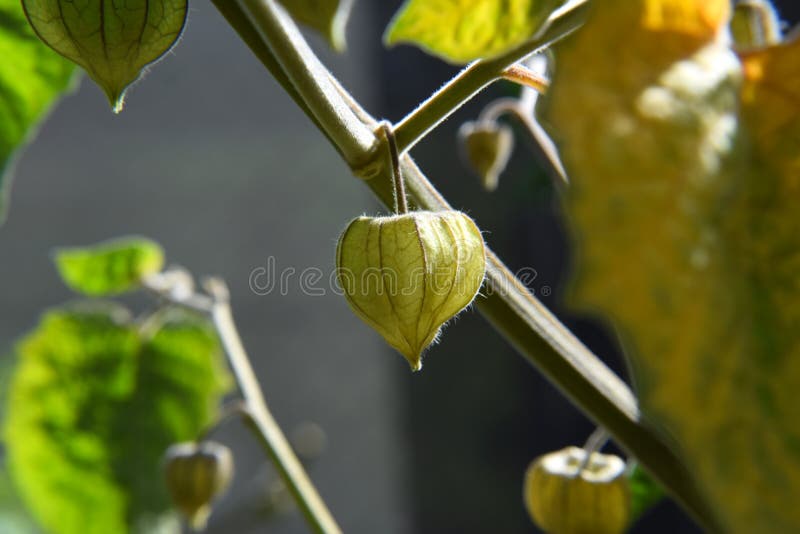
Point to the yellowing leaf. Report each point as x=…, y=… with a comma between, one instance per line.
x=771, y=100
x=690, y=17
x=683, y=202
x=31, y=79
x=463, y=30
x=92, y=407
x=111, y=267
x=328, y=17
x=113, y=41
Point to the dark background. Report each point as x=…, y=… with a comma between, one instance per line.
x=211, y=159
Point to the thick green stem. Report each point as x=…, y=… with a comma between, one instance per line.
x=311, y=80
x=240, y=22
x=478, y=75
x=509, y=306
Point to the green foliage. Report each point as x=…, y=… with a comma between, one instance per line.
x=460, y=31
x=685, y=212
x=328, y=17
x=31, y=78
x=109, y=268
x=112, y=41
x=644, y=491
x=13, y=516
x=92, y=406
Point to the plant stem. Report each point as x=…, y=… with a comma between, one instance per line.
x=399, y=188
x=516, y=314
x=311, y=80
x=217, y=308
x=478, y=75
x=540, y=141
x=239, y=21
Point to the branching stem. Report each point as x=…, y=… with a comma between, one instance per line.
x=216, y=306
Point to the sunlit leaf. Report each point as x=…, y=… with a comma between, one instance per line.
x=109, y=268
x=684, y=204
x=113, y=41
x=14, y=519
x=328, y=17
x=463, y=30
x=31, y=79
x=92, y=407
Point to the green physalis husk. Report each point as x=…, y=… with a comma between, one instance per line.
x=566, y=494
x=113, y=41
x=406, y=275
x=196, y=474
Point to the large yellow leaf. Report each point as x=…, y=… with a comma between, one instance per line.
x=683, y=204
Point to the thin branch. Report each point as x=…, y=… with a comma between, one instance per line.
x=481, y=73
x=216, y=306
x=541, y=144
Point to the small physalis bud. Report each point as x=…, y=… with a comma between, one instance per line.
x=564, y=496
x=112, y=41
x=197, y=473
x=487, y=147
x=406, y=275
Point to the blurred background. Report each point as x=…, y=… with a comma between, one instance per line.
x=212, y=160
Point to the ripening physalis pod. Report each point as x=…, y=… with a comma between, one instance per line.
x=406, y=275
x=567, y=494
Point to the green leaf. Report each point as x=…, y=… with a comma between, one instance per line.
x=683, y=200
x=14, y=518
x=92, y=407
x=32, y=77
x=645, y=492
x=328, y=17
x=109, y=268
x=460, y=31
x=113, y=41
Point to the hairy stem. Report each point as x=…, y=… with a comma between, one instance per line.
x=541, y=144
x=217, y=308
x=510, y=308
x=399, y=186
x=310, y=79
